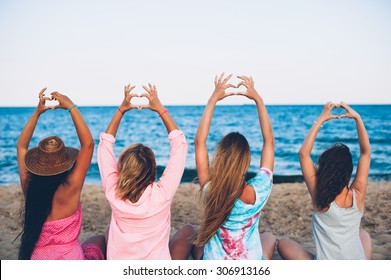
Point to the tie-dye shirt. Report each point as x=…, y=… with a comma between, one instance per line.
x=238, y=237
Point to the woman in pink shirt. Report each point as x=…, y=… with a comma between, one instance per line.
x=140, y=220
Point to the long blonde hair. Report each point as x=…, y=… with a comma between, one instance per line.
x=136, y=170
x=226, y=183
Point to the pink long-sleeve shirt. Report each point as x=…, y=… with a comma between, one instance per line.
x=141, y=230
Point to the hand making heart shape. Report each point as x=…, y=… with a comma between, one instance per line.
x=328, y=115
x=54, y=101
x=148, y=100
x=221, y=86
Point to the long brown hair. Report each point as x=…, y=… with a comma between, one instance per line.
x=334, y=171
x=227, y=179
x=136, y=170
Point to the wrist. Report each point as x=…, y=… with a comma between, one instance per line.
x=38, y=112
x=69, y=108
x=212, y=100
x=321, y=120
x=160, y=109
x=123, y=109
x=258, y=99
x=162, y=112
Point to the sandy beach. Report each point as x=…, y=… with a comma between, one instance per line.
x=287, y=214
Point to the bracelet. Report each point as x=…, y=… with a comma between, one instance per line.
x=318, y=123
x=120, y=111
x=70, y=108
x=162, y=113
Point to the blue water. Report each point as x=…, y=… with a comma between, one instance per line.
x=290, y=124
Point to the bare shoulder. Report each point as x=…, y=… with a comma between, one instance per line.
x=248, y=195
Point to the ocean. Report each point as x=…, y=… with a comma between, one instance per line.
x=290, y=125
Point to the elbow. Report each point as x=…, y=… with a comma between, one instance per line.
x=366, y=152
x=271, y=141
x=198, y=142
x=20, y=146
x=90, y=144
x=301, y=153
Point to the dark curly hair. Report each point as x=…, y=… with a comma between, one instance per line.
x=335, y=167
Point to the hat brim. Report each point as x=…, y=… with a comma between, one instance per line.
x=38, y=168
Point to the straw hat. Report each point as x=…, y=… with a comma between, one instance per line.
x=51, y=157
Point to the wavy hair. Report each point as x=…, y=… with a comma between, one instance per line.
x=38, y=205
x=335, y=167
x=226, y=183
x=136, y=170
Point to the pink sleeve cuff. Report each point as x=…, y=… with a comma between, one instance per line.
x=107, y=137
x=175, y=134
x=267, y=171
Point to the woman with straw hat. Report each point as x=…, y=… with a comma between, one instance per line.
x=52, y=177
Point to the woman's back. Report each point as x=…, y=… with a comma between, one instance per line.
x=140, y=221
x=238, y=237
x=337, y=232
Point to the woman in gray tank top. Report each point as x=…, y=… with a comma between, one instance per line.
x=337, y=207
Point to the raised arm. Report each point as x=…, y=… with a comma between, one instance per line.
x=25, y=138
x=75, y=179
x=173, y=172
x=267, y=158
x=201, y=151
x=360, y=182
x=306, y=163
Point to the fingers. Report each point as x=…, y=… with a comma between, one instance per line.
x=344, y=105
x=147, y=89
x=145, y=95
x=246, y=81
x=41, y=92
x=221, y=77
x=55, y=94
x=227, y=78
x=242, y=84
x=216, y=80
x=229, y=86
x=152, y=88
x=147, y=106
x=134, y=106
x=244, y=78
x=131, y=95
x=344, y=116
x=128, y=88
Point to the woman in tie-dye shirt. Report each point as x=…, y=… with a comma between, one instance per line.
x=232, y=206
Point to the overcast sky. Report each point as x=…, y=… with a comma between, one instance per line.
x=298, y=52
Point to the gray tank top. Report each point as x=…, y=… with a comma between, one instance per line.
x=337, y=233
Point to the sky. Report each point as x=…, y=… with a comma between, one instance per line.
x=298, y=52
